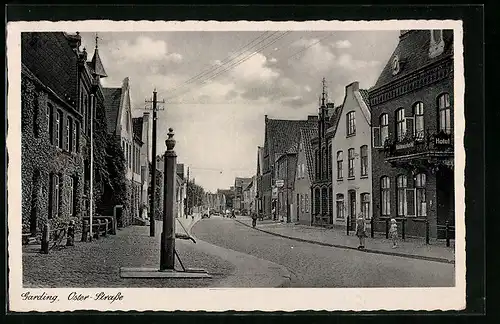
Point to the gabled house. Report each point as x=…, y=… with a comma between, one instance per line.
x=286, y=165
x=239, y=185
x=352, y=183
x=120, y=124
x=142, y=129
x=304, y=174
x=279, y=136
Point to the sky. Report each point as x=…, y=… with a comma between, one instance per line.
x=219, y=85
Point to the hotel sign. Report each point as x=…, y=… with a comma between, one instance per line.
x=443, y=141
x=407, y=145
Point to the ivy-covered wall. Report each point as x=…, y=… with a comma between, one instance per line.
x=40, y=159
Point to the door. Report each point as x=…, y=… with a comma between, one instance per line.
x=352, y=208
x=35, y=194
x=445, y=201
x=298, y=207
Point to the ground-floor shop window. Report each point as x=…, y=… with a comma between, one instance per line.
x=402, y=184
x=340, y=206
x=385, y=186
x=420, y=183
x=365, y=205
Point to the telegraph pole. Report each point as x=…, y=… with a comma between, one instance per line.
x=155, y=109
x=187, y=196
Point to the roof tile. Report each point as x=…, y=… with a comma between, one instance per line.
x=112, y=98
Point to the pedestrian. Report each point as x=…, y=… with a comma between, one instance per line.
x=393, y=233
x=361, y=231
x=254, y=219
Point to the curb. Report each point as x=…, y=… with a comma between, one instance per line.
x=239, y=274
x=403, y=255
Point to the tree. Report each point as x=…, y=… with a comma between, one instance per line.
x=195, y=194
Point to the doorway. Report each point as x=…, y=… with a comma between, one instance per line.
x=298, y=207
x=445, y=200
x=351, y=194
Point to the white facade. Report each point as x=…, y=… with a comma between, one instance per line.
x=351, y=157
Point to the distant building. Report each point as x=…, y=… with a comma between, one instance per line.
x=413, y=134
x=304, y=174
x=258, y=191
x=249, y=194
x=239, y=185
x=352, y=183
x=279, y=136
x=180, y=189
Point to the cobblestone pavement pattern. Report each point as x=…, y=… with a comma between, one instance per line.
x=319, y=266
x=98, y=263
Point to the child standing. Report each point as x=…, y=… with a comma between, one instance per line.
x=361, y=231
x=393, y=233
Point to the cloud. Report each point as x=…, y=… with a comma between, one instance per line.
x=342, y=44
x=273, y=60
x=346, y=61
x=142, y=49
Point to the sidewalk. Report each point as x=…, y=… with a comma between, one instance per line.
x=411, y=248
x=97, y=263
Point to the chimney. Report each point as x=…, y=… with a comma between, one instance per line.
x=125, y=82
x=354, y=86
x=265, y=118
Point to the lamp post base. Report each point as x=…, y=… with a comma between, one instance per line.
x=189, y=273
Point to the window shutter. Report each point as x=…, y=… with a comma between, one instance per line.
x=377, y=140
x=411, y=206
x=410, y=126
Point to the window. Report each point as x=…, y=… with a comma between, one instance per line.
x=323, y=164
x=73, y=137
x=330, y=201
x=420, y=182
x=129, y=156
x=364, y=160
x=418, y=111
x=340, y=161
x=86, y=114
x=384, y=128
x=444, y=113
x=58, y=133
x=317, y=201
x=50, y=112
x=351, y=123
x=350, y=159
x=54, y=192
x=307, y=203
x=400, y=124
x=77, y=136
x=401, y=185
x=340, y=206
x=385, y=186
x=302, y=203
x=365, y=205
x=303, y=170
x=67, y=136
x=71, y=192
x=329, y=158
x=316, y=166
x=324, y=201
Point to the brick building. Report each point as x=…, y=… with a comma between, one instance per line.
x=412, y=123
x=279, y=136
x=321, y=186
x=51, y=121
x=286, y=165
x=258, y=178
x=303, y=175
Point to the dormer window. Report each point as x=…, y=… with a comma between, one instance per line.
x=436, y=46
x=395, y=65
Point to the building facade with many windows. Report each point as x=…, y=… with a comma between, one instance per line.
x=352, y=185
x=412, y=125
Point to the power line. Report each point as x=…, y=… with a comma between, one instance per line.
x=241, y=49
x=306, y=48
x=238, y=62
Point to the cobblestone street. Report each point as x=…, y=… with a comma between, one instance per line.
x=97, y=264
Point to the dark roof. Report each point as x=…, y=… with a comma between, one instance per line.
x=180, y=170
x=49, y=56
x=97, y=66
x=413, y=53
x=137, y=127
x=307, y=134
x=366, y=97
x=112, y=97
x=242, y=182
x=281, y=134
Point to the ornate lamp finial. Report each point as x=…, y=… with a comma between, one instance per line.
x=170, y=141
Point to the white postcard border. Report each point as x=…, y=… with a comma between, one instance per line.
x=208, y=299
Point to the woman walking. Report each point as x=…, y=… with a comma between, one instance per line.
x=361, y=231
x=393, y=233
